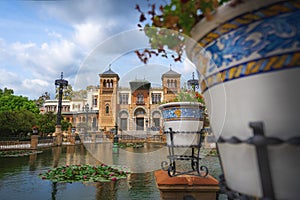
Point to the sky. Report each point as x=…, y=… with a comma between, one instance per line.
x=41, y=39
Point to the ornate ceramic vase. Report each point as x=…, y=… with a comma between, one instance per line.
x=185, y=119
x=253, y=76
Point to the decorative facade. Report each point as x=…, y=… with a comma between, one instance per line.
x=109, y=105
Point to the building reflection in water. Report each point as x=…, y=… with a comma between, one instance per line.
x=133, y=187
x=56, y=152
x=32, y=163
x=139, y=160
x=106, y=190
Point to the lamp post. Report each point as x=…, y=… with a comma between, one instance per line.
x=60, y=84
x=193, y=83
x=86, y=109
x=147, y=127
x=116, y=137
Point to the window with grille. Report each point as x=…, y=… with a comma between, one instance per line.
x=156, y=98
x=140, y=99
x=123, y=97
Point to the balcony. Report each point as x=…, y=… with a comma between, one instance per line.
x=140, y=102
x=107, y=90
x=172, y=91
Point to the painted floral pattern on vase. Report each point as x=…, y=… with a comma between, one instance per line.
x=180, y=113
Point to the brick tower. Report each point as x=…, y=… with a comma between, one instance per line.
x=109, y=81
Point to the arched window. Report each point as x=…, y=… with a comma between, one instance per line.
x=173, y=83
x=104, y=83
x=107, y=109
x=156, y=120
x=168, y=83
x=139, y=112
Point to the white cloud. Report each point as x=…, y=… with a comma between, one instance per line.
x=80, y=12
x=8, y=79
x=55, y=37
x=29, y=83
x=92, y=20
x=36, y=86
x=53, y=34
x=88, y=35
x=30, y=69
x=48, y=58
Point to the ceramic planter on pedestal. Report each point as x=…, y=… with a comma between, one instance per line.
x=183, y=117
x=253, y=76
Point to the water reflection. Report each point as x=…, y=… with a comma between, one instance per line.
x=54, y=190
x=139, y=160
x=32, y=159
x=56, y=155
x=106, y=190
x=19, y=178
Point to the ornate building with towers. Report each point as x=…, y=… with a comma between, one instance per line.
x=133, y=108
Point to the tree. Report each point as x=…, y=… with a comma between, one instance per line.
x=67, y=93
x=14, y=123
x=46, y=123
x=17, y=113
x=10, y=102
x=6, y=92
x=80, y=94
x=41, y=100
x=65, y=125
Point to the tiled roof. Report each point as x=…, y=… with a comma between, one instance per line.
x=109, y=71
x=171, y=73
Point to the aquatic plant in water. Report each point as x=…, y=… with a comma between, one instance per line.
x=18, y=153
x=85, y=173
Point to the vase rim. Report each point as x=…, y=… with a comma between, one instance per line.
x=225, y=13
x=180, y=103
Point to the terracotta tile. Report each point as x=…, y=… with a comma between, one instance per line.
x=162, y=178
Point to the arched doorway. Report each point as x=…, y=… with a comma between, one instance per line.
x=139, y=115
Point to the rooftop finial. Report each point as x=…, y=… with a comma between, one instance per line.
x=170, y=67
x=193, y=75
x=109, y=66
x=61, y=75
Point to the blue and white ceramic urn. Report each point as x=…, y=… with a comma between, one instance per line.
x=185, y=119
x=248, y=59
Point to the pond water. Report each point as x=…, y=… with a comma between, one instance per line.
x=19, y=178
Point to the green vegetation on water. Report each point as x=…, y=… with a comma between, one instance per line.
x=85, y=173
x=18, y=153
x=134, y=145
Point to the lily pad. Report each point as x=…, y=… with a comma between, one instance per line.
x=18, y=153
x=85, y=173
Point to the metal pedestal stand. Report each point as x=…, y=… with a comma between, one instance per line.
x=261, y=142
x=194, y=158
